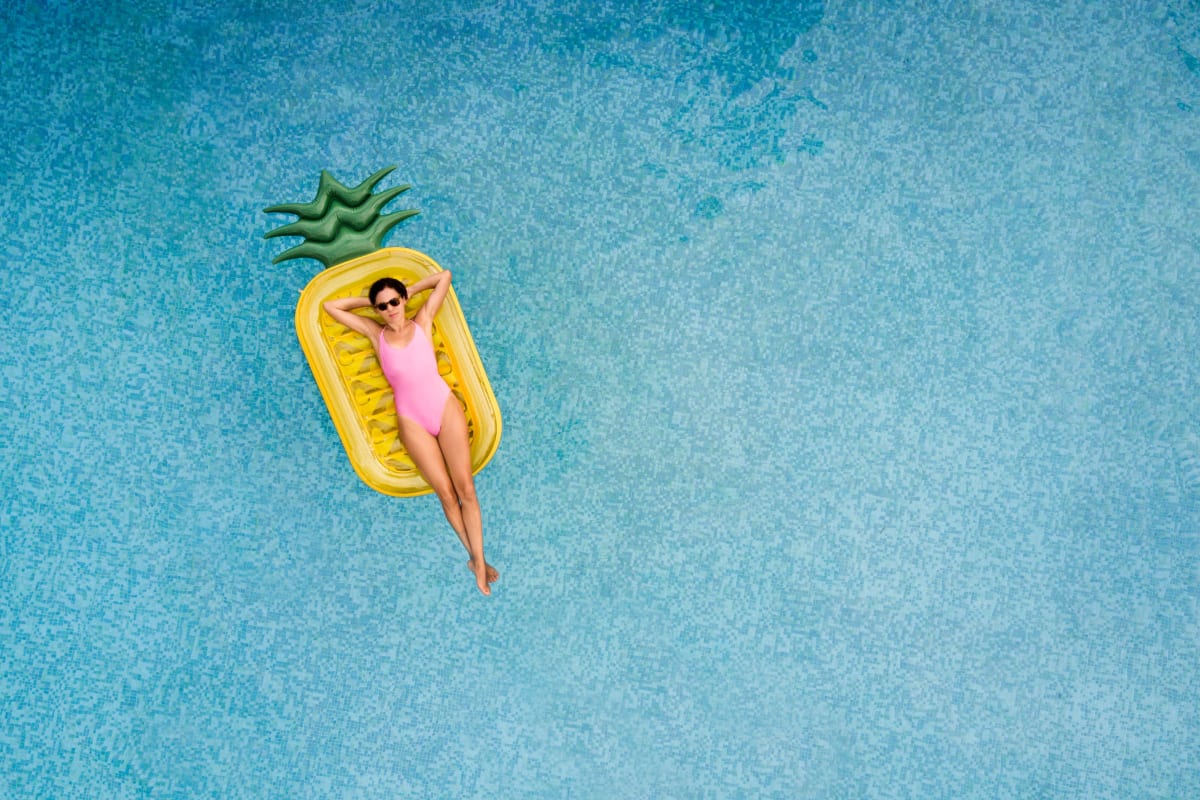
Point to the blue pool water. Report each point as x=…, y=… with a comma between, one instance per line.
x=847, y=358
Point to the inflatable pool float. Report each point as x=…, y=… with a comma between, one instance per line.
x=343, y=228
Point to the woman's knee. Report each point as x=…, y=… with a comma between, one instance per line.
x=446, y=493
x=466, y=492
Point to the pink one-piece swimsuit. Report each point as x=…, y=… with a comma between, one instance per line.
x=417, y=387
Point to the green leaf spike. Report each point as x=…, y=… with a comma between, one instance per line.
x=340, y=223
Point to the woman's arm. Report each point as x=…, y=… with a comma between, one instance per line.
x=440, y=283
x=342, y=310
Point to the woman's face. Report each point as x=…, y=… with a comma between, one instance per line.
x=389, y=310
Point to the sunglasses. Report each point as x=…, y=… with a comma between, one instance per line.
x=395, y=301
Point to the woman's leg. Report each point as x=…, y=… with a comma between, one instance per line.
x=456, y=452
x=423, y=449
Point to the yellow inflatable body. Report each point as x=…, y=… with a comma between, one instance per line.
x=359, y=397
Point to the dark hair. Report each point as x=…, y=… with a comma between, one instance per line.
x=386, y=283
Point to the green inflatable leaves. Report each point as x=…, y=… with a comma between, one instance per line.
x=340, y=223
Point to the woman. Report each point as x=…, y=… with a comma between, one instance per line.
x=433, y=428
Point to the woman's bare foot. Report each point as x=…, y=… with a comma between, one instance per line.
x=481, y=577
x=492, y=574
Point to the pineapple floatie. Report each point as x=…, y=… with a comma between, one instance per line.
x=343, y=228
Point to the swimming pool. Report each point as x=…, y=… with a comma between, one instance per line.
x=846, y=358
